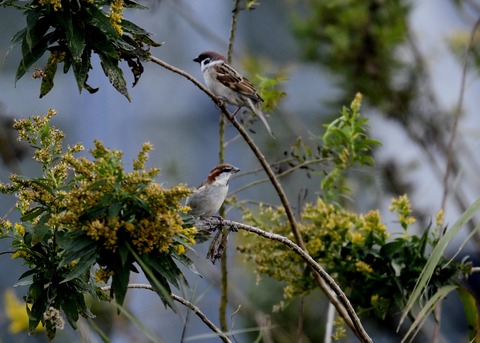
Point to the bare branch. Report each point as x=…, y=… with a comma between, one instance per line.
x=186, y=303
x=328, y=284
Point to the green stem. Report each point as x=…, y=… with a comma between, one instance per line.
x=224, y=282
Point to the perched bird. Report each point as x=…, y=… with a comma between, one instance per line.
x=210, y=195
x=227, y=84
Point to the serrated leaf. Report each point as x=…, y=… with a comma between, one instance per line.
x=81, y=68
x=115, y=75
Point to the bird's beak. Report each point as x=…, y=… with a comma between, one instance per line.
x=236, y=170
x=196, y=59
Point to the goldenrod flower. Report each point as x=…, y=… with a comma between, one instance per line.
x=19, y=229
x=363, y=267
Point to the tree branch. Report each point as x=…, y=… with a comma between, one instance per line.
x=342, y=306
x=186, y=303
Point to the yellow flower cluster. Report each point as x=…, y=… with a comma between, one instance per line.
x=401, y=205
x=56, y=4
x=104, y=187
x=102, y=275
x=327, y=231
x=116, y=15
x=363, y=267
x=100, y=198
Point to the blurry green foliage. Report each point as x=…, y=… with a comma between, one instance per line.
x=360, y=41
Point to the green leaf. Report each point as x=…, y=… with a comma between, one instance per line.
x=79, y=246
x=70, y=307
x=114, y=210
x=120, y=279
x=114, y=74
x=435, y=257
x=81, y=68
x=39, y=232
x=16, y=39
x=139, y=33
x=31, y=56
x=98, y=19
x=168, y=269
x=82, y=266
x=75, y=35
x=158, y=282
x=470, y=307
x=27, y=273
x=35, y=41
x=123, y=252
x=93, y=213
x=426, y=310
x=134, y=4
x=30, y=215
x=48, y=75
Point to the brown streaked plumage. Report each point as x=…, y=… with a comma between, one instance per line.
x=229, y=85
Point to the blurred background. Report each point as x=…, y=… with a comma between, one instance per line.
x=407, y=63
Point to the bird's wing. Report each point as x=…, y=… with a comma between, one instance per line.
x=232, y=79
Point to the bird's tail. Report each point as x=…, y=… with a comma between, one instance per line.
x=256, y=109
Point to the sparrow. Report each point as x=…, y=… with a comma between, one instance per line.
x=227, y=84
x=210, y=195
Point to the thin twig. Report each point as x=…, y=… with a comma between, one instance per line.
x=457, y=114
x=186, y=303
x=233, y=30
x=352, y=322
x=284, y=173
x=222, y=308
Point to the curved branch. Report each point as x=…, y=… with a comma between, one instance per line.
x=256, y=151
x=186, y=303
x=341, y=307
